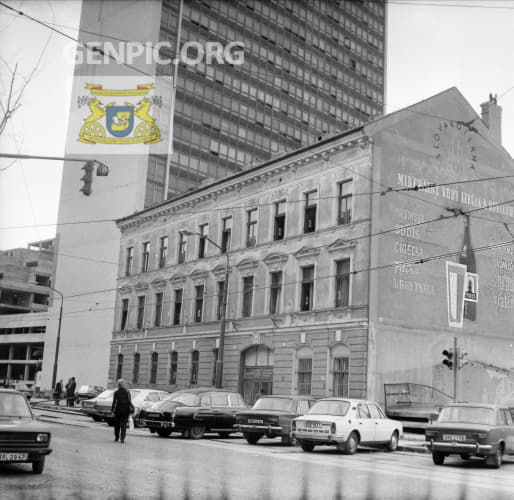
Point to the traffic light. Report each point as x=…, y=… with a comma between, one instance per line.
x=87, y=178
x=448, y=358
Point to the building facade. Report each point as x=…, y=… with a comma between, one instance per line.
x=309, y=70
x=337, y=258
x=26, y=275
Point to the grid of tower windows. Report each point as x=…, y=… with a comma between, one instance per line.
x=310, y=69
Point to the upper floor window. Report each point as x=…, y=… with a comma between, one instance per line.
x=195, y=364
x=247, y=296
x=280, y=220
x=182, y=245
x=307, y=290
x=135, y=368
x=163, y=252
x=309, y=224
x=251, y=227
x=173, y=367
x=275, y=292
x=119, y=367
x=140, y=311
x=344, y=208
x=340, y=383
x=226, y=234
x=178, y=307
x=158, y=309
x=153, y=367
x=130, y=261
x=342, y=283
x=202, y=243
x=146, y=257
x=221, y=293
x=304, y=376
x=198, y=303
x=124, y=314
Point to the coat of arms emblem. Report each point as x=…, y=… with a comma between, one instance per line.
x=119, y=123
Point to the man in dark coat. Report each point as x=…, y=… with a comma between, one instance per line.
x=121, y=409
x=58, y=392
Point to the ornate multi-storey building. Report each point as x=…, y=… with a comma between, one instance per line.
x=340, y=260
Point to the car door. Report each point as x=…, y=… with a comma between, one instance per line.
x=382, y=425
x=509, y=432
x=220, y=412
x=365, y=424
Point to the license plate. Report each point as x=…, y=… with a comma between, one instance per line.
x=13, y=457
x=453, y=437
x=255, y=421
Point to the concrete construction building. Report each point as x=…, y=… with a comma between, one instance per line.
x=337, y=255
x=310, y=70
x=26, y=275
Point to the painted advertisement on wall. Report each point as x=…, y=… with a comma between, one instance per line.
x=449, y=197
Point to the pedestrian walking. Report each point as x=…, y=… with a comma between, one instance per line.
x=121, y=408
x=70, y=392
x=57, y=392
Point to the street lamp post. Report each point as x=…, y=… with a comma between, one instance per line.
x=58, y=341
x=218, y=381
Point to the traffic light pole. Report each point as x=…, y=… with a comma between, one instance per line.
x=455, y=368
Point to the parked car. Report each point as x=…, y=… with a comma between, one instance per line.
x=23, y=438
x=193, y=412
x=271, y=416
x=89, y=405
x=346, y=424
x=472, y=429
x=141, y=399
x=88, y=392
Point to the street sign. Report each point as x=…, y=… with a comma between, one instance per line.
x=455, y=278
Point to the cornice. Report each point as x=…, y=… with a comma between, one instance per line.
x=125, y=290
x=219, y=271
x=306, y=252
x=263, y=174
x=199, y=275
x=341, y=244
x=178, y=279
x=141, y=287
x=247, y=265
x=276, y=259
x=159, y=283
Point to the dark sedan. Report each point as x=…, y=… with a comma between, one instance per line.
x=472, y=429
x=192, y=412
x=271, y=416
x=23, y=438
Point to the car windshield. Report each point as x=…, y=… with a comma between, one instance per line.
x=468, y=415
x=188, y=399
x=330, y=408
x=106, y=394
x=14, y=405
x=275, y=404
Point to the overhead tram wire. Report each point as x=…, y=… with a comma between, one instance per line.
x=85, y=45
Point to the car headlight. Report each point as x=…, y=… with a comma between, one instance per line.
x=333, y=428
x=43, y=437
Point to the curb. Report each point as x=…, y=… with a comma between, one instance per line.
x=415, y=448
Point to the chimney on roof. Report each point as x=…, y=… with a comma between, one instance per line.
x=492, y=118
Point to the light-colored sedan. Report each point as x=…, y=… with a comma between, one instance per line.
x=346, y=424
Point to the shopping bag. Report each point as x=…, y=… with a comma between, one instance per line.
x=131, y=423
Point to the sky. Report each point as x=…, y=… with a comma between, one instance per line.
x=431, y=45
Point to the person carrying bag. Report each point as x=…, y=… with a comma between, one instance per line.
x=122, y=408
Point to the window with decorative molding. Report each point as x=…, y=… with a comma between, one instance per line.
x=342, y=283
x=251, y=228
x=177, y=310
x=247, y=296
x=275, y=292
x=307, y=288
x=182, y=245
x=344, y=206
x=219, y=306
x=135, y=368
x=145, y=262
x=203, y=231
x=140, y=312
x=158, y=309
x=173, y=367
x=195, y=365
x=119, y=367
x=129, y=262
x=199, y=292
x=280, y=220
x=163, y=251
x=124, y=314
x=304, y=376
x=311, y=205
x=153, y=367
x=226, y=234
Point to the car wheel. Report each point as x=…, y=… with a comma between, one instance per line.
x=164, y=433
x=224, y=435
x=351, y=444
x=197, y=431
x=495, y=461
x=307, y=446
x=38, y=466
x=252, y=437
x=438, y=458
x=392, y=445
x=96, y=419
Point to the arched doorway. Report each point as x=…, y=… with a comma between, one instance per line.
x=257, y=372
